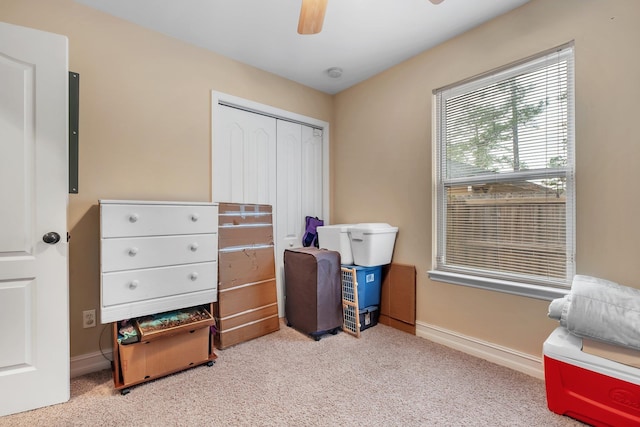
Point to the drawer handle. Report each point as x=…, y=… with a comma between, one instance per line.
x=133, y=251
x=195, y=217
x=133, y=217
x=193, y=247
x=193, y=276
x=133, y=284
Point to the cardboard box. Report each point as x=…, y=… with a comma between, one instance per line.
x=242, y=235
x=243, y=208
x=243, y=298
x=619, y=354
x=249, y=331
x=398, y=295
x=238, y=213
x=247, y=304
x=151, y=359
x=243, y=266
x=249, y=316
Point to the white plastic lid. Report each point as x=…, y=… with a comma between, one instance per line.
x=343, y=227
x=373, y=227
x=566, y=347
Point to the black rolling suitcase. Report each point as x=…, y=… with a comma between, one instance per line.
x=313, y=291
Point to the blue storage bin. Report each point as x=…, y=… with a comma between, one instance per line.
x=369, y=284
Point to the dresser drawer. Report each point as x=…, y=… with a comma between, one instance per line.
x=128, y=220
x=131, y=286
x=144, y=252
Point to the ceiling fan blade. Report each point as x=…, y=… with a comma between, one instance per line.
x=311, y=16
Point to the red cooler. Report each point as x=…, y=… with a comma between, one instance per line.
x=589, y=388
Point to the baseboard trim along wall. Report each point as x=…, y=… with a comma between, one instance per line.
x=499, y=355
x=90, y=362
x=522, y=362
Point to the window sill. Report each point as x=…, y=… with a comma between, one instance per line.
x=546, y=293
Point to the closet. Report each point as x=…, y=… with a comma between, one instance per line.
x=262, y=155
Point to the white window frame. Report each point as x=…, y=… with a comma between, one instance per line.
x=478, y=279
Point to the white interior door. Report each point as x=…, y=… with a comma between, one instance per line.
x=34, y=308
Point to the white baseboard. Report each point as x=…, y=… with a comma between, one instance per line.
x=522, y=362
x=499, y=355
x=91, y=362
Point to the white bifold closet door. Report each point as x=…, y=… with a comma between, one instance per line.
x=262, y=159
x=244, y=157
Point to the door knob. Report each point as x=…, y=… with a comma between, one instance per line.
x=51, y=238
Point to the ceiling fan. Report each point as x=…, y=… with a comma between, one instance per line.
x=312, y=15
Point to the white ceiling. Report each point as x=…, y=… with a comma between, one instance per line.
x=363, y=37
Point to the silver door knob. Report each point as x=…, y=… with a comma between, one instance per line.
x=51, y=238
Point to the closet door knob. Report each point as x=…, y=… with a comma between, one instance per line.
x=193, y=247
x=133, y=218
x=133, y=284
x=193, y=276
x=133, y=251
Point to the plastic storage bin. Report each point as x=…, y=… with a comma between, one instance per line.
x=368, y=317
x=336, y=238
x=589, y=388
x=369, y=285
x=372, y=243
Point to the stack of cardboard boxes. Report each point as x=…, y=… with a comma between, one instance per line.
x=247, y=305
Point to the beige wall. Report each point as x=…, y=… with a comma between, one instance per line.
x=145, y=133
x=383, y=161
x=145, y=124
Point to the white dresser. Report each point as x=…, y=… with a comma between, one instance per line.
x=156, y=257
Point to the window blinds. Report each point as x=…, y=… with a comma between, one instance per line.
x=505, y=190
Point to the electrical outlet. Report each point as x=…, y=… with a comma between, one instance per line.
x=88, y=318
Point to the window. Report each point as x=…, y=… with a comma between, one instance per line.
x=504, y=196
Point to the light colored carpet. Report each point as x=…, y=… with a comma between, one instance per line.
x=386, y=378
